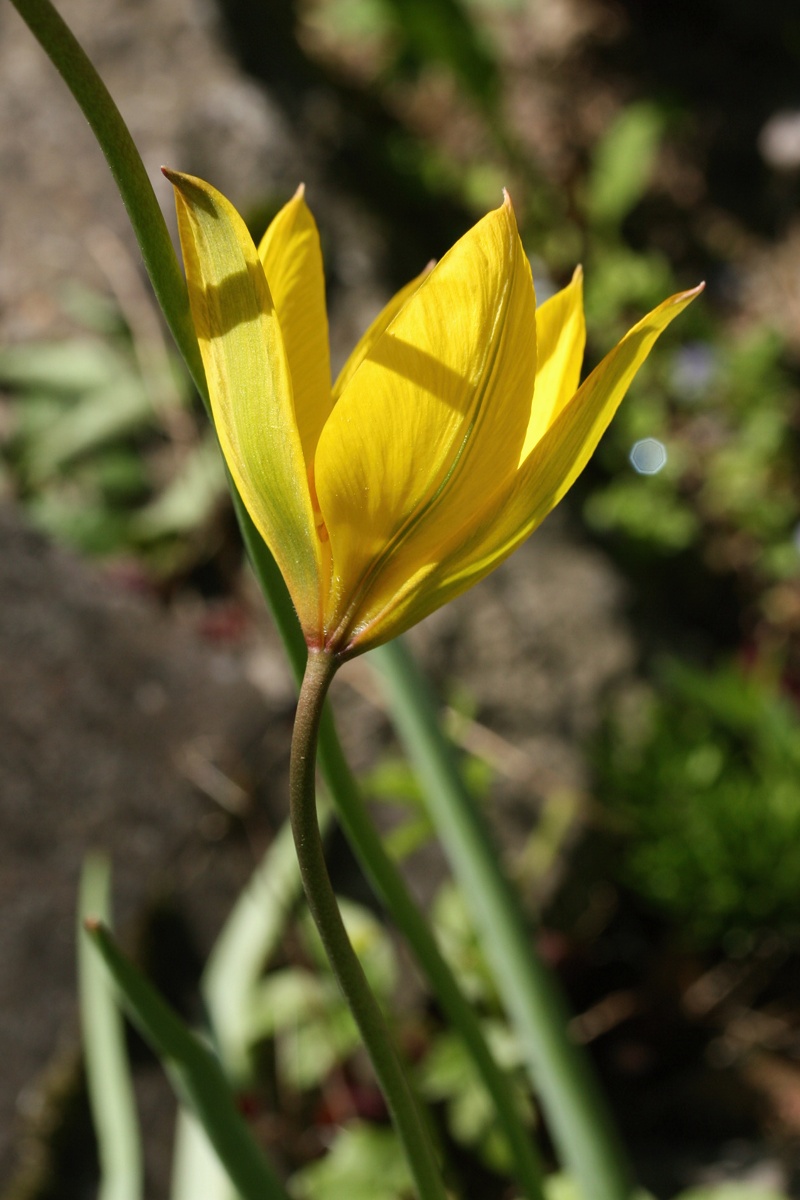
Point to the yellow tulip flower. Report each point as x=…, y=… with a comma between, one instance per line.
x=454, y=428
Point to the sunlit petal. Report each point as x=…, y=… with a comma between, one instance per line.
x=515, y=511
x=560, y=342
x=378, y=326
x=292, y=259
x=249, y=384
x=433, y=419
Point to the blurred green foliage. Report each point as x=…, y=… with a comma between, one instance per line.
x=418, y=34
x=724, y=408
x=623, y=164
x=725, y=413
x=300, y=1010
x=365, y=1162
x=103, y=448
x=704, y=782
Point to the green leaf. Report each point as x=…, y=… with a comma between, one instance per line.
x=557, y=1067
x=623, y=163
x=73, y=366
x=561, y=1186
x=305, y=1011
x=288, y=998
x=90, y=527
x=196, y=1169
x=308, y=1054
x=447, y=1074
x=108, y=1074
x=190, y=497
x=408, y=837
x=647, y=510
x=364, y=1163
x=195, y=1074
x=103, y=414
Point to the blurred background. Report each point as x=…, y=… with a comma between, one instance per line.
x=624, y=691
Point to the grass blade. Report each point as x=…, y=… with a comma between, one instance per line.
x=196, y=1170
x=108, y=1076
x=559, y=1071
x=194, y=1072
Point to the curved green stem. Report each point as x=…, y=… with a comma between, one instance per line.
x=388, y=883
x=409, y=1122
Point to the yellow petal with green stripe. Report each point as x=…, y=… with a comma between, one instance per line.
x=249, y=385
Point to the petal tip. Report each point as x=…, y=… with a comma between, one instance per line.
x=691, y=293
x=183, y=183
x=300, y=194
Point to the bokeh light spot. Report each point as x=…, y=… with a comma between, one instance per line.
x=648, y=456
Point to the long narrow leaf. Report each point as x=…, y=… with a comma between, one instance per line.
x=559, y=1071
x=196, y=1170
x=108, y=1076
x=194, y=1072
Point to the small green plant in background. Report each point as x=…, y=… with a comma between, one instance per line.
x=724, y=410
x=727, y=484
x=705, y=784
x=299, y=1007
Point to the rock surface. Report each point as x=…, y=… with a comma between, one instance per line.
x=112, y=718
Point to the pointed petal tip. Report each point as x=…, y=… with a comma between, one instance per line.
x=689, y=294
x=181, y=181
x=300, y=194
x=577, y=274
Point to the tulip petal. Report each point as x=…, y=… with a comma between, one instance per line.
x=560, y=342
x=292, y=259
x=376, y=329
x=433, y=419
x=249, y=384
x=512, y=513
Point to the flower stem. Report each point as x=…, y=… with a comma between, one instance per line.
x=405, y=1111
